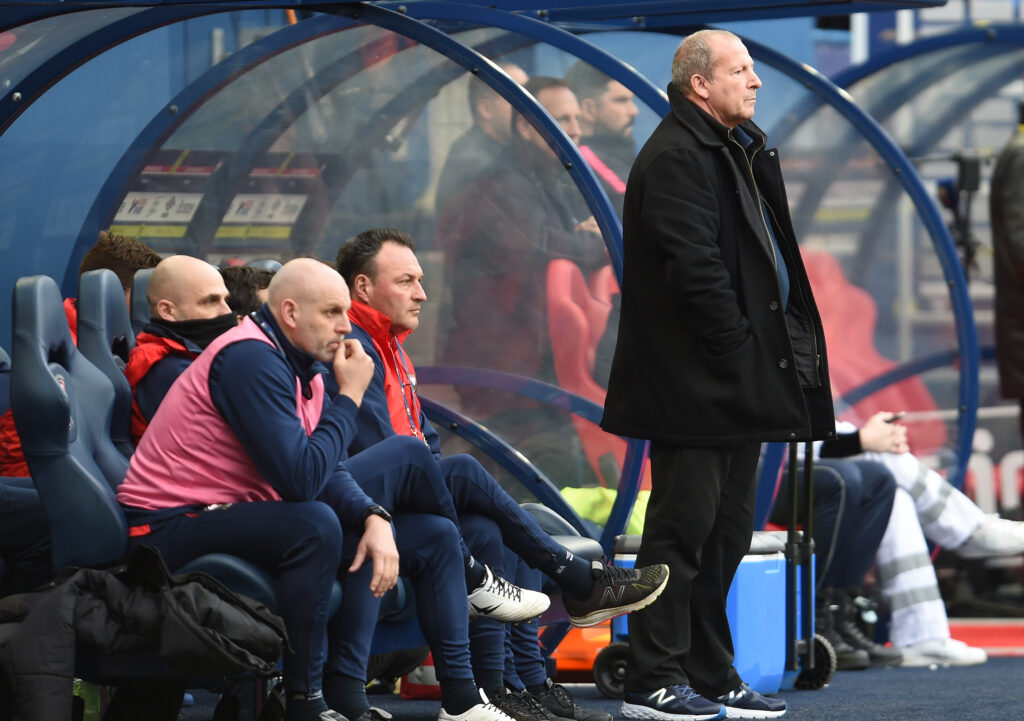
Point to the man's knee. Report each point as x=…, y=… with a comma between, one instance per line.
x=320, y=527
x=408, y=446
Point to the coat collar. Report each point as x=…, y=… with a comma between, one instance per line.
x=705, y=128
x=375, y=323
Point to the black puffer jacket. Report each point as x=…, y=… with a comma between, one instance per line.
x=191, y=621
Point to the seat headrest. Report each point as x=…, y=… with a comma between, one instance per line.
x=140, y=306
x=103, y=317
x=43, y=342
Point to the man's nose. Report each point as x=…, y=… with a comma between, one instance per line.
x=755, y=82
x=420, y=293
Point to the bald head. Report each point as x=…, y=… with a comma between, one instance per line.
x=310, y=303
x=186, y=288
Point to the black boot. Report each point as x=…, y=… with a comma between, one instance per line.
x=848, y=658
x=850, y=630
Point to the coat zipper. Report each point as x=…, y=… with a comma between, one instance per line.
x=775, y=260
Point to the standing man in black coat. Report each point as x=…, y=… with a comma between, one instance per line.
x=720, y=347
x=1006, y=206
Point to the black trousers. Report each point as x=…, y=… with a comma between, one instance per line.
x=700, y=519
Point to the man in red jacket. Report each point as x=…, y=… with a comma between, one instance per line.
x=188, y=308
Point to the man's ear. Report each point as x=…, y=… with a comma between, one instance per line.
x=588, y=109
x=522, y=125
x=289, y=313
x=483, y=108
x=361, y=288
x=699, y=86
x=165, y=310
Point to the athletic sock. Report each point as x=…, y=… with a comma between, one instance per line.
x=476, y=574
x=572, y=573
x=299, y=707
x=346, y=695
x=459, y=695
x=490, y=681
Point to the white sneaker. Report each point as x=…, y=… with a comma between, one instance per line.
x=485, y=711
x=504, y=601
x=994, y=536
x=942, y=652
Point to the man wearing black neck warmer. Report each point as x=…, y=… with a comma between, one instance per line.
x=188, y=310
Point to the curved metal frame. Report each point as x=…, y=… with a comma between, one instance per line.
x=1010, y=34
x=65, y=61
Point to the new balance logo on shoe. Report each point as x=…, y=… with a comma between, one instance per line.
x=612, y=596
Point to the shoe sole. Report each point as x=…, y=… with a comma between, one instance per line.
x=534, y=613
x=733, y=712
x=638, y=711
x=604, y=614
x=921, y=662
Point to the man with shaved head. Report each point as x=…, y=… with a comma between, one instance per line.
x=188, y=309
x=246, y=456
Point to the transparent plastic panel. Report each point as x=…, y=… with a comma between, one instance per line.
x=60, y=152
x=953, y=110
x=876, y=277
x=25, y=48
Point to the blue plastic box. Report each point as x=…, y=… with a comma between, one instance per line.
x=756, y=607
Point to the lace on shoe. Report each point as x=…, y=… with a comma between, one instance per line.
x=561, y=695
x=686, y=692
x=506, y=589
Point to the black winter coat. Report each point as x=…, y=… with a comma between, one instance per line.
x=1007, y=212
x=190, y=621
x=705, y=355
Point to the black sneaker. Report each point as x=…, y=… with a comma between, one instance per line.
x=522, y=706
x=616, y=591
x=373, y=714
x=745, y=702
x=678, y=702
x=557, y=699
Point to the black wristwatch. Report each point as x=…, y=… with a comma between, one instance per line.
x=376, y=511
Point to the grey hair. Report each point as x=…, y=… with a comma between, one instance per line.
x=694, y=57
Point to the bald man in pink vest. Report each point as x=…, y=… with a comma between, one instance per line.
x=247, y=456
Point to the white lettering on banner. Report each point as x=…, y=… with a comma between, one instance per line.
x=985, y=476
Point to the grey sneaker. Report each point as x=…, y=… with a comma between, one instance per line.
x=616, y=591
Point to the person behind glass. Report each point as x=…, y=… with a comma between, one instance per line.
x=607, y=115
x=1006, y=209
x=498, y=239
x=188, y=309
x=247, y=288
x=720, y=347
x=387, y=294
x=474, y=150
x=246, y=456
